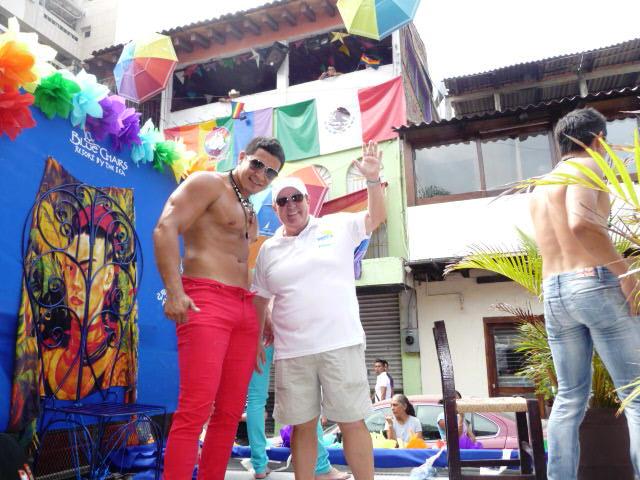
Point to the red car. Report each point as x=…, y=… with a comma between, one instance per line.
x=495, y=431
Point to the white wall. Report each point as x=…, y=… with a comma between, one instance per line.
x=284, y=96
x=462, y=304
x=102, y=17
x=15, y=8
x=445, y=230
x=57, y=35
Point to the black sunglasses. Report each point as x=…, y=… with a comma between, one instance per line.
x=296, y=198
x=269, y=172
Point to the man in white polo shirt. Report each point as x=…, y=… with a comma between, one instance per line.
x=383, y=382
x=307, y=267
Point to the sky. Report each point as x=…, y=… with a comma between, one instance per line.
x=461, y=37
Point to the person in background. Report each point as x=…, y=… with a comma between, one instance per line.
x=382, y=390
x=386, y=369
x=330, y=72
x=467, y=438
x=233, y=93
x=403, y=423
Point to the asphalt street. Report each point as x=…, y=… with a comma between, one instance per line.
x=236, y=471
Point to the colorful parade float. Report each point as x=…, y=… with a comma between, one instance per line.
x=88, y=363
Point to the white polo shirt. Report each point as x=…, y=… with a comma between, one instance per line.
x=311, y=278
x=383, y=381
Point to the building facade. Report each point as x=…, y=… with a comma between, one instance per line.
x=498, y=130
x=74, y=28
x=274, y=56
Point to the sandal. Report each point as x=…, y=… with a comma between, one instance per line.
x=262, y=475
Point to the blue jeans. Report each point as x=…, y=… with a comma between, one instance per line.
x=583, y=310
x=256, y=402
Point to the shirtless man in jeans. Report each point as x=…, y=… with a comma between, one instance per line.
x=216, y=322
x=586, y=303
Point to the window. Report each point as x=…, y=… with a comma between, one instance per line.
x=325, y=174
x=428, y=414
x=508, y=361
x=503, y=361
x=379, y=243
x=512, y=159
x=447, y=169
x=375, y=421
x=86, y=32
x=620, y=132
x=209, y=82
x=482, y=426
x=310, y=57
x=355, y=180
x=480, y=166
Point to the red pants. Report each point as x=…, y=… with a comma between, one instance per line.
x=216, y=356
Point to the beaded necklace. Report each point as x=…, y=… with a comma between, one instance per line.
x=247, y=206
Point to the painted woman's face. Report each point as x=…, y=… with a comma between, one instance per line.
x=81, y=260
x=76, y=275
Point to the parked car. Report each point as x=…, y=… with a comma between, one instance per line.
x=495, y=431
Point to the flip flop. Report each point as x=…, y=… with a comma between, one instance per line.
x=333, y=474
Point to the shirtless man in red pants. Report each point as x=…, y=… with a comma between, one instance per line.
x=216, y=323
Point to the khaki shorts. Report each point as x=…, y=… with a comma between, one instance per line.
x=335, y=380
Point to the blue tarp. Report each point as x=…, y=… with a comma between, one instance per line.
x=386, y=457
x=22, y=164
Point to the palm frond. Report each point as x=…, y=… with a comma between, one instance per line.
x=521, y=264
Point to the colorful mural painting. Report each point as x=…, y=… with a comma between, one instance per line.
x=77, y=331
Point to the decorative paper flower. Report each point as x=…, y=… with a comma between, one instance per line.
x=165, y=154
x=113, y=107
x=199, y=163
x=182, y=164
x=16, y=63
x=149, y=136
x=54, y=95
x=14, y=113
x=43, y=54
x=128, y=135
x=86, y=101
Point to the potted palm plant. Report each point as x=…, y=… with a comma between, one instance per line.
x=604, y=436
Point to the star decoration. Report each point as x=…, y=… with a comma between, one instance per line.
x=255, y=56
x=338, y=37
x=344, y=49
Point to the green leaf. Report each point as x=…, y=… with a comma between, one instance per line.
x=623, y=173
x=514, y=263
x=587, y=172
x=608, y=173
